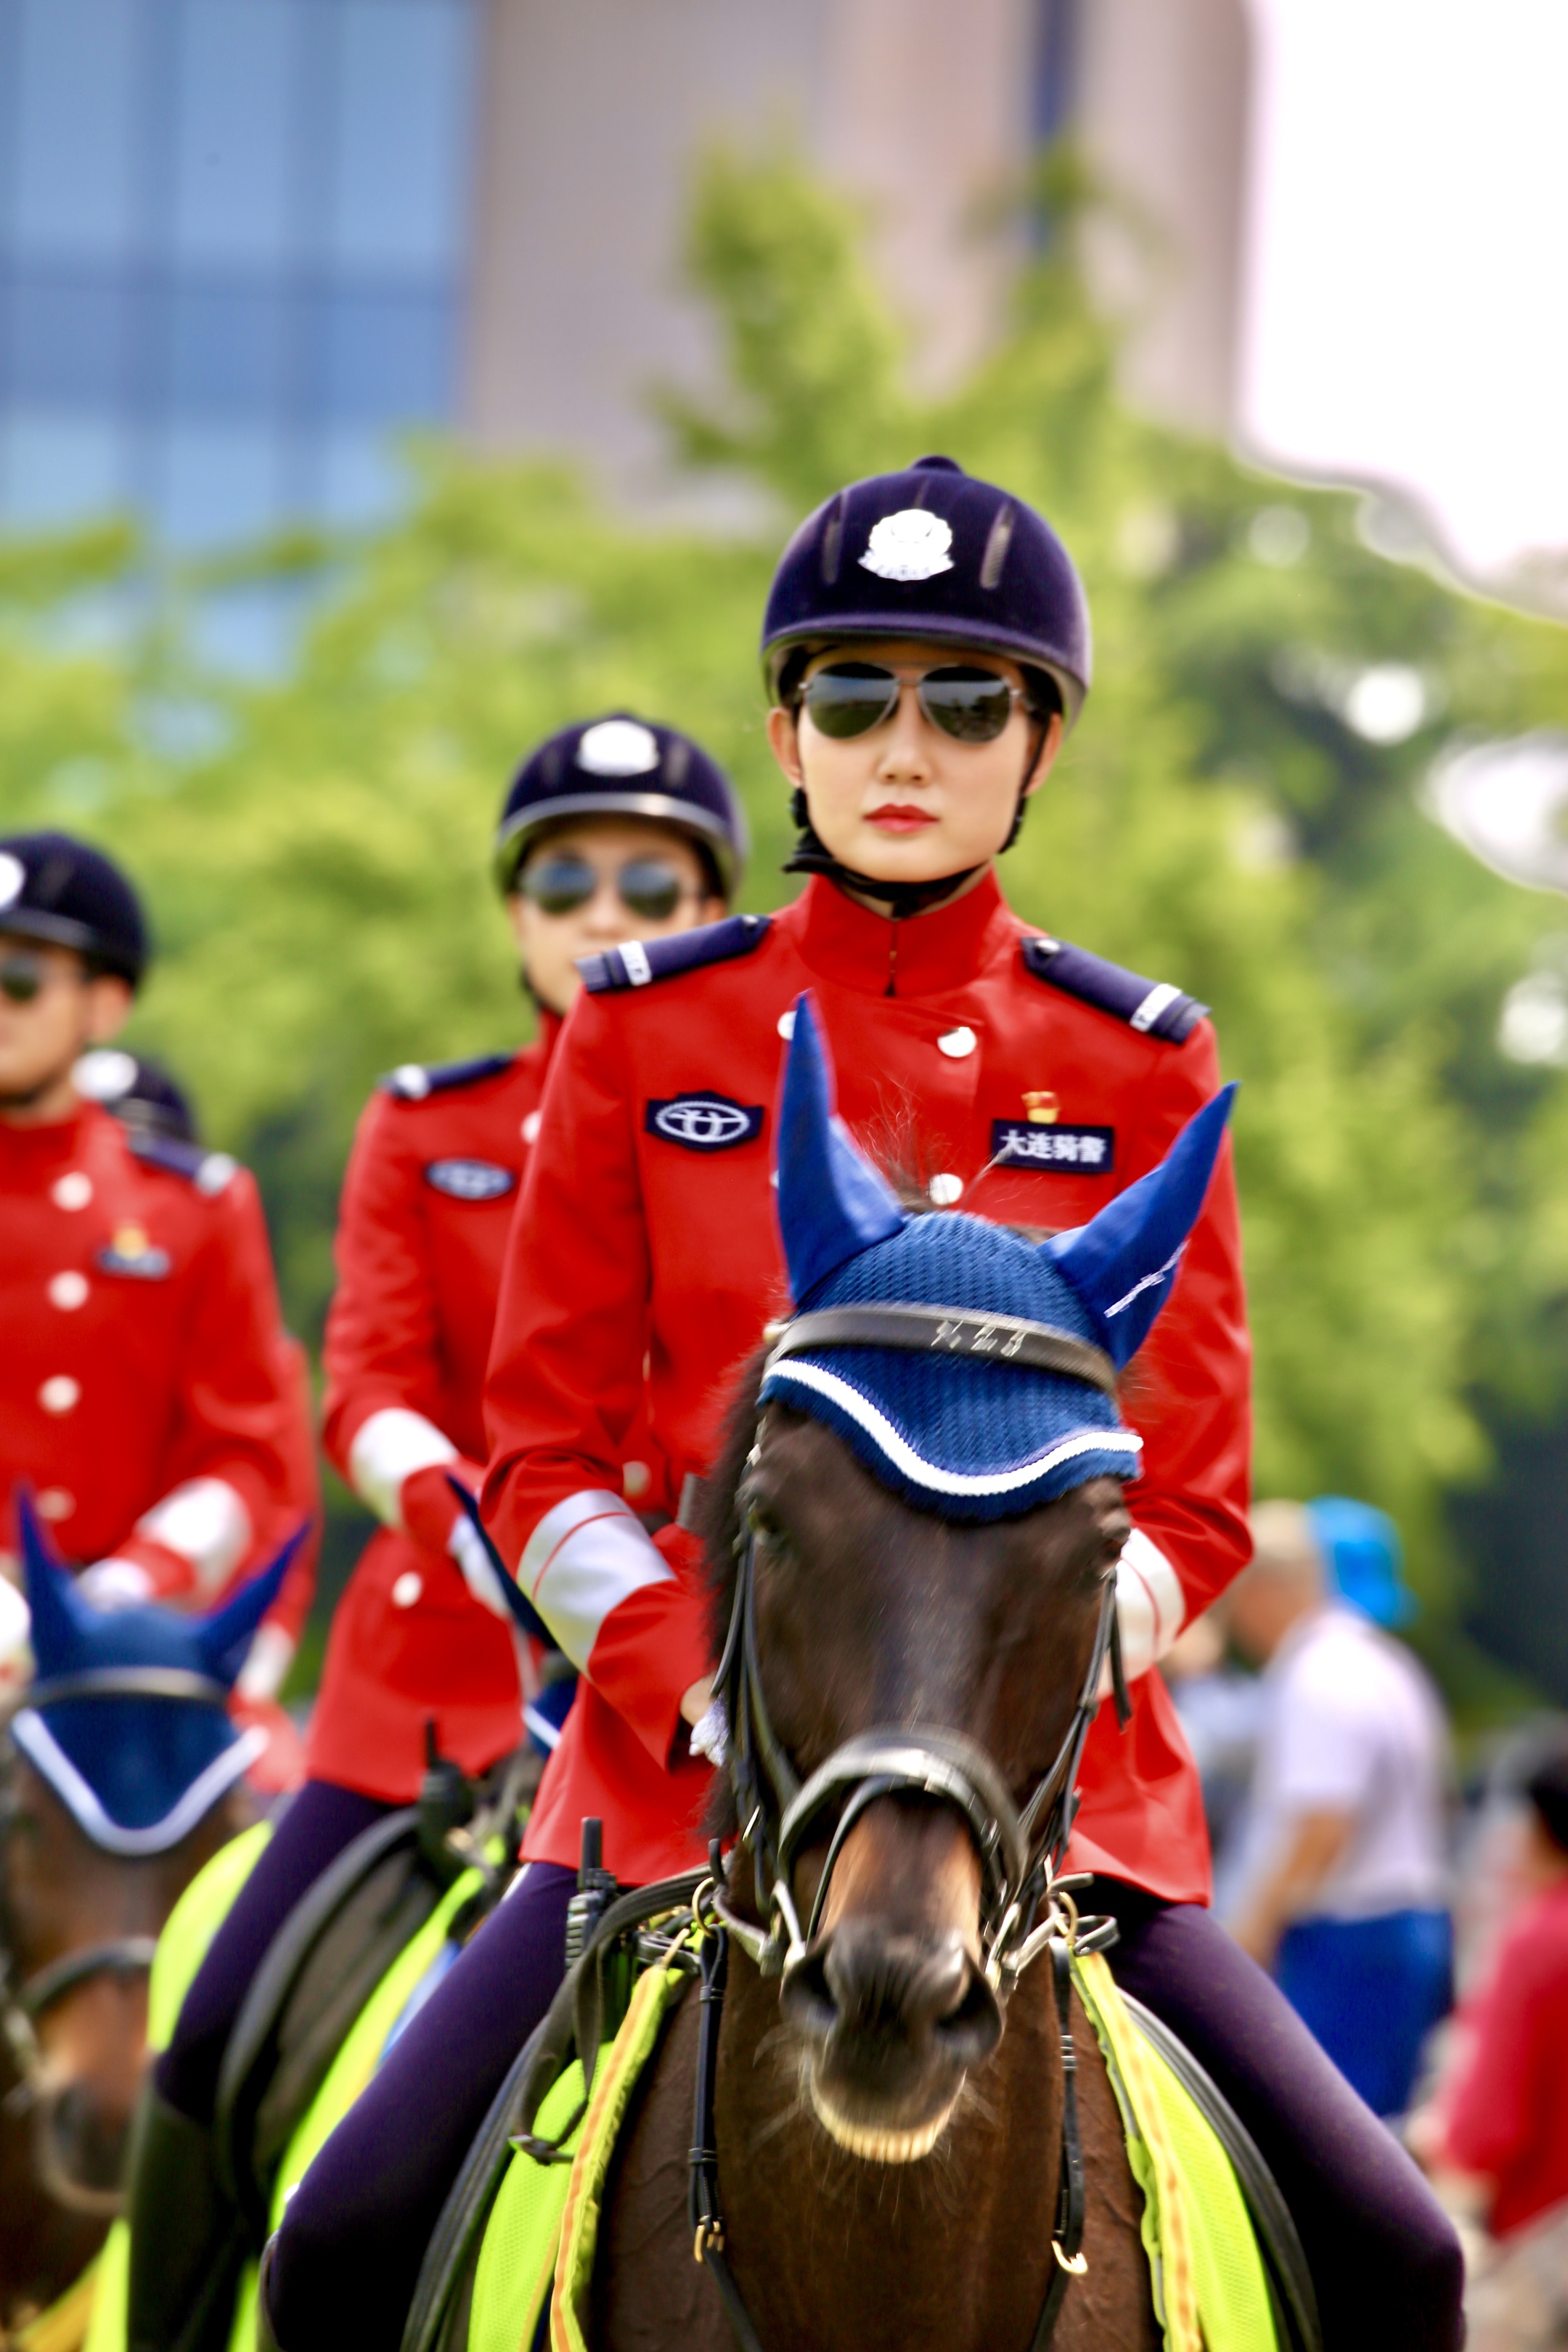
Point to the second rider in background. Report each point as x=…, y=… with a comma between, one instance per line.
x=610, y=829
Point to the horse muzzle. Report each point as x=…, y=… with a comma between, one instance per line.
x=893, y=2022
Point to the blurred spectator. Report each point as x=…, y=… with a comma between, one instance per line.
x=1502, y=2118
x=1343, y=1882
x=1221, y=1710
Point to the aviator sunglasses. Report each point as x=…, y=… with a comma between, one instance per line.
x=23, y=977
x=648, y=886
x=850, y=698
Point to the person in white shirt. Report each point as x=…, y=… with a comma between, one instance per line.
x=1344, y=1884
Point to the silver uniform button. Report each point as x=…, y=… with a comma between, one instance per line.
x=73, y=1189
x=786, y=1023
x=56, y=1503
x=59, y=1394
x=956, y=1044
x=68, y=1289
x=530, y=1126
x=406, y=1591
x=945, y=1190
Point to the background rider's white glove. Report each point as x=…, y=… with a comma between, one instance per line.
x=115, y=1584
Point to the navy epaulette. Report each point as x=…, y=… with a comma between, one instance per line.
x=209, y=1171
x=1152, y=1005
x=412, y=1081
x=636, y=962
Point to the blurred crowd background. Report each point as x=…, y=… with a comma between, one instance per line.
x=385, y=382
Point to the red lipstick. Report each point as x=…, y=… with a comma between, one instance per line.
x=900, y=816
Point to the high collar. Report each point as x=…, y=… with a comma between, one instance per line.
x=32, y=1150
x=924, y=955
x=546, y=1035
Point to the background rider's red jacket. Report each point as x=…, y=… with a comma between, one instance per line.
x=1506, y=2110
x=148, y=1392
x=427, y=1205
x=648, y=1231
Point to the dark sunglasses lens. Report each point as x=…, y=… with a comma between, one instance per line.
x=850, y=698
x=558, y=885
x=972, y=706
x=650, y=888
x=20, y=980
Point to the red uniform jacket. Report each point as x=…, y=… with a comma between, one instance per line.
x=648, y=1234
x=428, y=1206
x=148, y=1392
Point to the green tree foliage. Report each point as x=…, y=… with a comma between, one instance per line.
x=315, y=845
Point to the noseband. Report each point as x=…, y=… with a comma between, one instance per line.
x=1019, y=1847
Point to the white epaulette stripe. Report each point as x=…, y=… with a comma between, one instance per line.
x=634, y=956
x=583, y=1560
x=1161, y=995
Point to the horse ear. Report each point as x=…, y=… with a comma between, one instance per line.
x=224, y=1634
x=1124, y=1263
x=63, y=1623
x=832, y=1204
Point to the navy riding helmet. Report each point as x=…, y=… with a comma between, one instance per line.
x=55, y=887
x=623, y=766
x=932, y=552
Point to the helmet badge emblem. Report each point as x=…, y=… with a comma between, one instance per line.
x=909, y=545
x=13, y=877
x=618, y=747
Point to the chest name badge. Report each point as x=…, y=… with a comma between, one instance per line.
x=1021, y=1143
x=130, y=1252
x=704, y=1122
x=470, y=1179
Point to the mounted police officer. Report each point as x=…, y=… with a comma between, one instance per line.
x=926, y=648
x=147, y=1392
x=611, y=826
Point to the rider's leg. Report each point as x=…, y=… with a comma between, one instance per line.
x=346, y=2260
x=188, y=2241
x=320, y=1821
x=1384, y=2258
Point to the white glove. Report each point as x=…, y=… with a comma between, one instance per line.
x=468, y=1549
x=111, y=1584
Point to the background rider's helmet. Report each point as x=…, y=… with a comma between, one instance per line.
x=55, y=888
x=622, y=766
x=930, y=552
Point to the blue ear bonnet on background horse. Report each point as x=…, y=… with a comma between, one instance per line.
x=969, y=1416
x=136, y=1773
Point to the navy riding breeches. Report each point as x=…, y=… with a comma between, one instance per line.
x=346, y=2260
x=320, y=1822
x=1384, y=2260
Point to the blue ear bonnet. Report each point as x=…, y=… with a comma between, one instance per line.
x=137, y=1771
x=968, y=1438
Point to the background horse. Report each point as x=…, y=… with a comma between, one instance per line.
x=118, y=1779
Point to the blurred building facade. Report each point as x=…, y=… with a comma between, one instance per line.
x=244, y=243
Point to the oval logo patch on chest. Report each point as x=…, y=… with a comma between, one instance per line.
x=704, y=1122
x=1020, y=1143
x=470, y=1179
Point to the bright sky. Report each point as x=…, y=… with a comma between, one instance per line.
x=1408, y=270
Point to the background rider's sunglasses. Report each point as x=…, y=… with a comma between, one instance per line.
x=648, y=886
x=23, y=977
x=850, y=698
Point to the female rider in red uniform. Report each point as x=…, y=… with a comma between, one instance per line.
x=927, y=644
x=609, y=826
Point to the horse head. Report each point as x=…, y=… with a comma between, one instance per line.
x=122, y=1778
x=924, y=1503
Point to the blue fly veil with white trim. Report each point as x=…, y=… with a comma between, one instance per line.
x=128, y=1719
x=968, y=1423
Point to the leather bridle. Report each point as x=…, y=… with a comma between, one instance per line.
x=25, y=2000
x=1020, y=1847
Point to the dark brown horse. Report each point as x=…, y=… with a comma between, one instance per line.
x=77, y=1930
x=888, y=2117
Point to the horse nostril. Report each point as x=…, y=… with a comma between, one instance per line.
x=862, y=1980
x=970, y=2031
x=805, y=1996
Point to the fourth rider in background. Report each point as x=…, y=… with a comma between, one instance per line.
x=610, y=828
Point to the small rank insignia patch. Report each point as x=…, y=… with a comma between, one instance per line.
x=132, y=1253
x=704, y=1122
x=470, y=1179
x=1022, y=1143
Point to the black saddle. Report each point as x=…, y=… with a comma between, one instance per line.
x=331, y=1952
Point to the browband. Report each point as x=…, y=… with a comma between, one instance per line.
x=129, y=1682
x=943, y=1331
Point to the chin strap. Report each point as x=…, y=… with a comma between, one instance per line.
x=902, y=898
